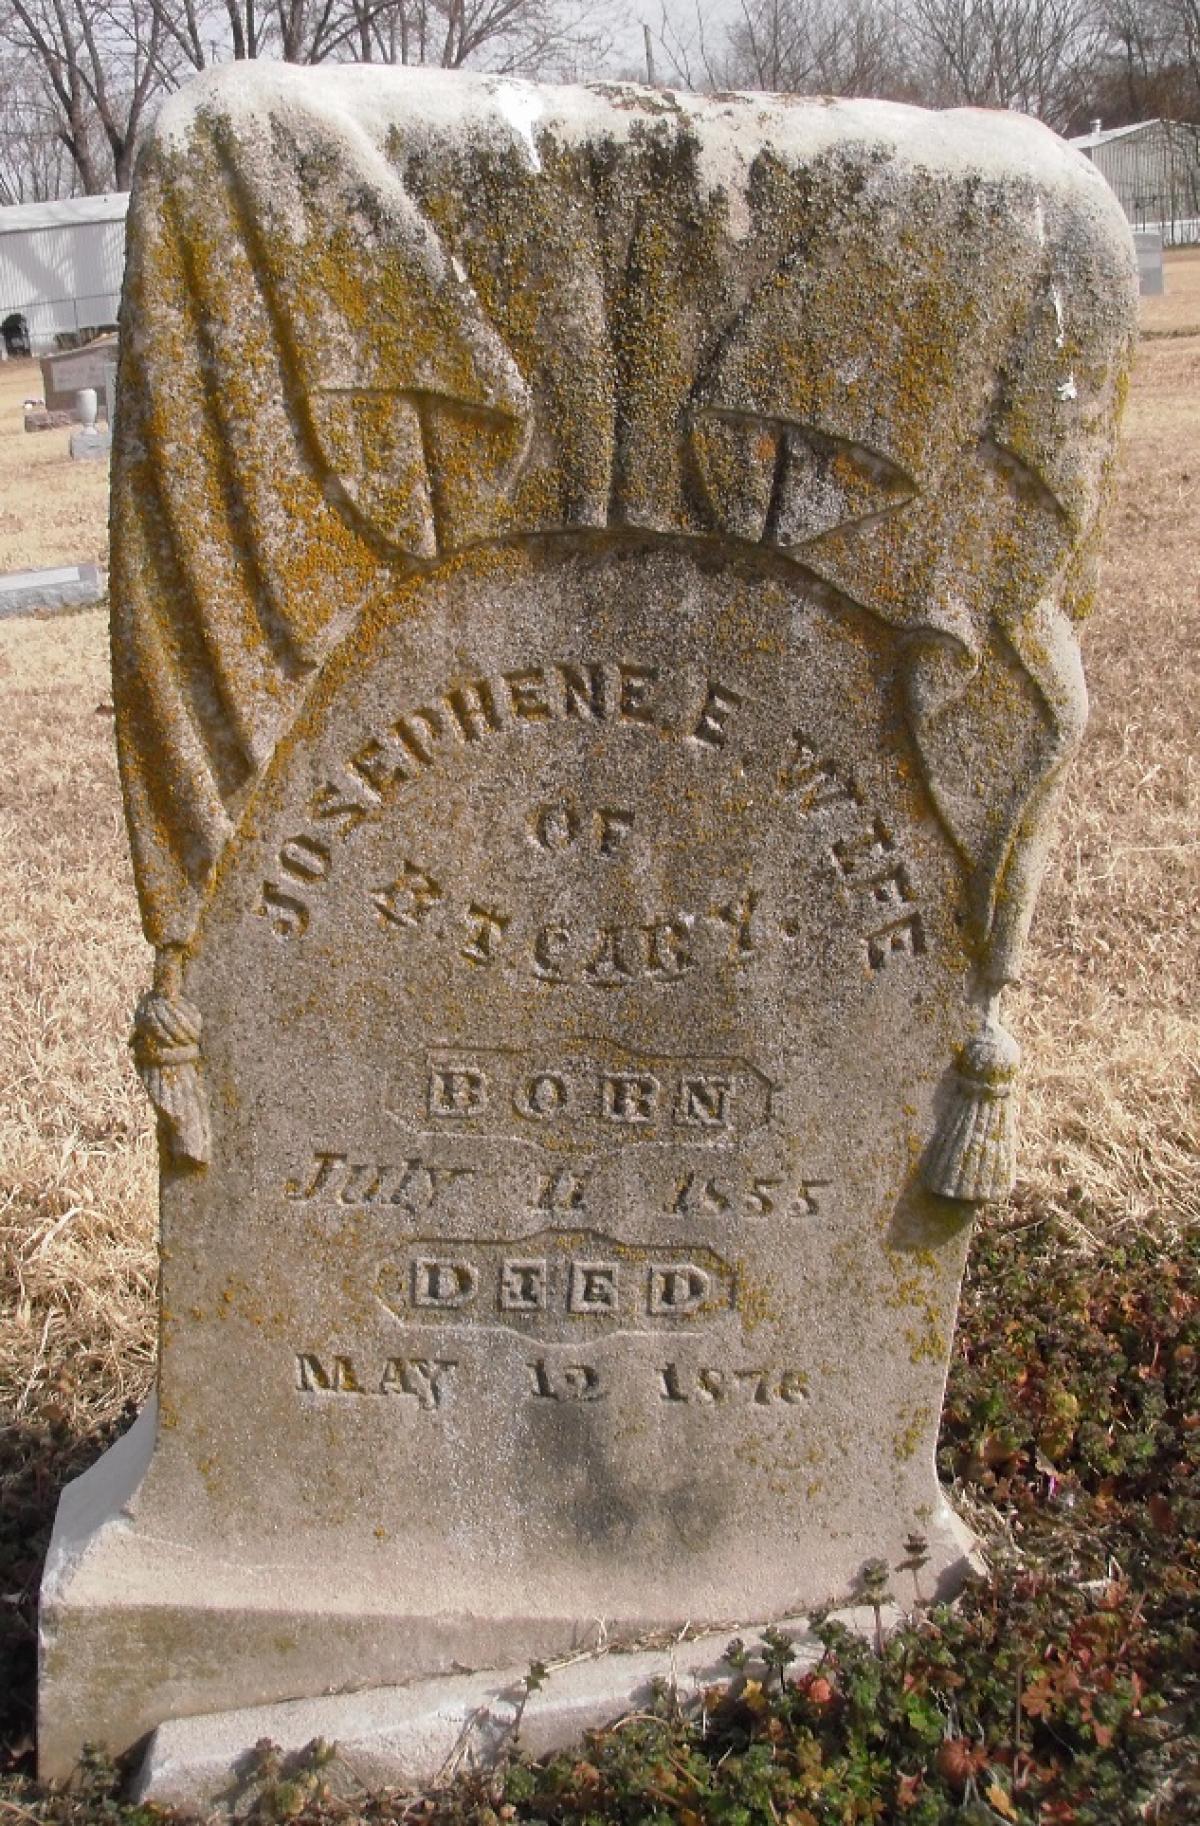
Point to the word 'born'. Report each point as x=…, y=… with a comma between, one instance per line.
x=503, y=1092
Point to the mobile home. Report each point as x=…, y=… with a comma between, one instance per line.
x=61, y=265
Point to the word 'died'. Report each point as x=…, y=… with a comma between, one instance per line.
x=495, y=1092
x=550, y=1284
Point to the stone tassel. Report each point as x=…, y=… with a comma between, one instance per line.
x=166, y=1050
x=973, y=1152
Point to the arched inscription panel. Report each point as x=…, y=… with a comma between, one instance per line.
x=585, y=974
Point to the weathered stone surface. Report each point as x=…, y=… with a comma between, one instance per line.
x=594, y=584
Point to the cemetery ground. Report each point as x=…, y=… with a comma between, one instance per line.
x=52, y=511
x=1066, y=1686
x=1177, y=311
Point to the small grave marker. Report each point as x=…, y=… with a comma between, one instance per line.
x=57, y=586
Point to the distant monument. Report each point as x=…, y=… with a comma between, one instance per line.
x=594, y=587
x=67, y=372
x=1151, y=276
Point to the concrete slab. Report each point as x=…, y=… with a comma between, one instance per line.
x=59, y=586
x=420, y=1735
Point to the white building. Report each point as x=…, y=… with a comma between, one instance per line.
x=1154, y=167
x=61, y=264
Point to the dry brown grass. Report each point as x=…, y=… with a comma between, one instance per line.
x=76, y=1168
x=52, y=511
x=1108, y=1014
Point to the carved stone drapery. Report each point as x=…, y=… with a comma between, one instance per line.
x=603, y=343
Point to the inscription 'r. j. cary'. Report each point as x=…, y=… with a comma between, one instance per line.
x=670, y=945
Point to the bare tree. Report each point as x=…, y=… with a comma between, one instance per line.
x=829, y=47
x=99, y=62
x=1147, y=64
x=1063, y=60
x=97, y=69
x=530, y=37
x=35, y=165
x=534, y=36
x=832, y=47
x=1032, y=55
x=82, y=77
x=197, y=33
x=1132, y=29
x=1188, y=16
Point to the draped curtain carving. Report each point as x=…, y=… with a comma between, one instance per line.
x=350, y=353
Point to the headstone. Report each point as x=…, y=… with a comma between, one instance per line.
x=67, y=372
x=38, y=419
x=1151, y=276
x=593, y=600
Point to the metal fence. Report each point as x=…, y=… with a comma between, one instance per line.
x=47, y=321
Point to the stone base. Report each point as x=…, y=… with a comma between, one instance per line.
x=89, y=444
x=138, y=1629
x=421, y=1735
